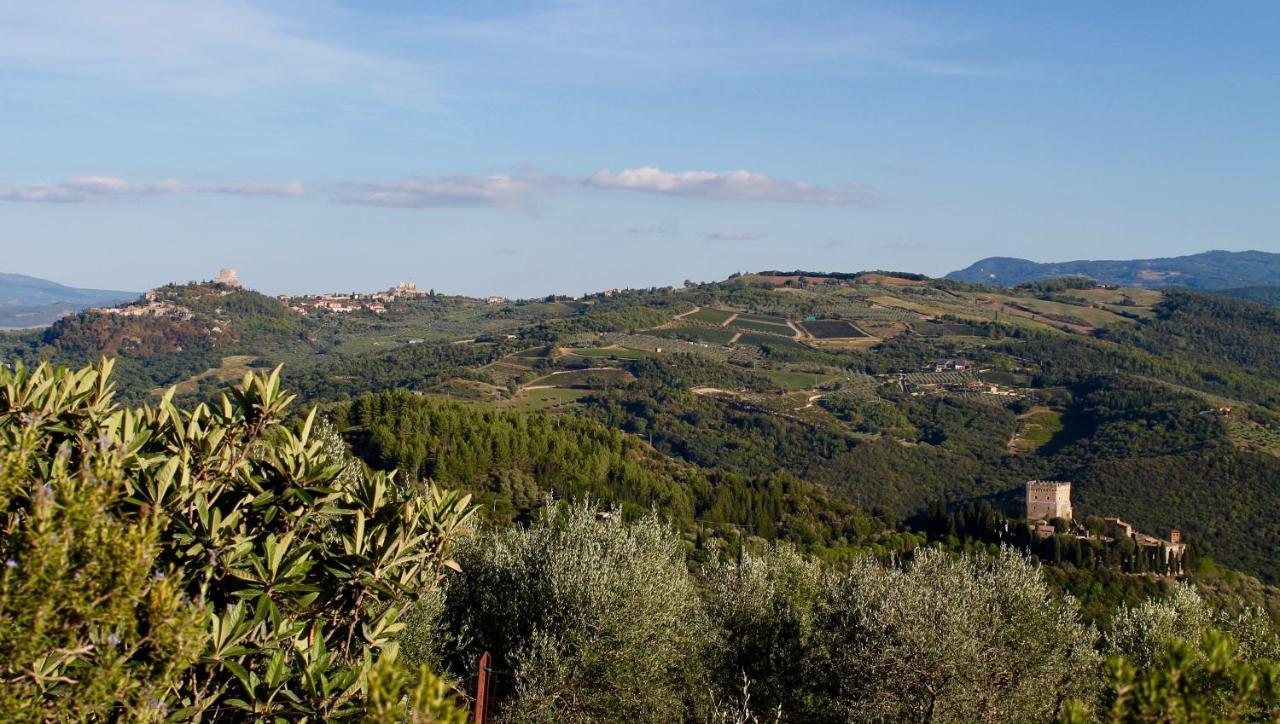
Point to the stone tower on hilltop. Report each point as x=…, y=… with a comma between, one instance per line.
x=227, y=277
x=1048, y=499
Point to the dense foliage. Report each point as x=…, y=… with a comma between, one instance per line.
x=225, y=563
x=207, y=563
x=594, y=620
x=1265, y=295
x=591, y=618
x=512, y=460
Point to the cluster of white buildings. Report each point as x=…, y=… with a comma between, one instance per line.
x=342, y=303
x=148, y=306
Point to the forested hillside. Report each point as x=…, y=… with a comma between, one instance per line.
x=1209, y=270
x=760, y=401
x=511, y=461
x=1265, y=295
x=230, y=562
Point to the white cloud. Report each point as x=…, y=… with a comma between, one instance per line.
x=731, y=186
x=106, y=188
x=734, y=235
x=498, y=191
x=259, y=188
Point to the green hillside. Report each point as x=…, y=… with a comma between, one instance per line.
x=1210, y=270
x=1161, y=406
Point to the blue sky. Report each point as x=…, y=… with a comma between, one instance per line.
x=529, y=148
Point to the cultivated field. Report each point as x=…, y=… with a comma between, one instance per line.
x=713, y=336
x=231, y=369
x=585, y=378
x=745, y=324
x=769, y=339
x=714, y=317
x=616, y=353
x=545, y=399
x=1038, y=428
x=796, y=380
x=832, y=329
x=766, y=318
x=940, y=378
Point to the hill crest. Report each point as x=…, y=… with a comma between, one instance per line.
x=1207, y=270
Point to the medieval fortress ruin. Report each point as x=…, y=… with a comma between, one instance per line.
x=1050, y=500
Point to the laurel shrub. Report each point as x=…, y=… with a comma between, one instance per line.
x=216, y=562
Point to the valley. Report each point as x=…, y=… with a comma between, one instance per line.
x=891, y=392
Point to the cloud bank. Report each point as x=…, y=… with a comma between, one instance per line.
x=730, y=186
x=105, y=188
x=498, y=191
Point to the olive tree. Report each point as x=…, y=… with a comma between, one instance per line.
x=762, y=607
x=949, y=638
x=1177, y=658
x=594, y=619
x=1143, y=632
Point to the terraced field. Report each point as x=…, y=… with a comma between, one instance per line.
x=903, y=304
x=517, y=365
x=940, y=378
x=619, y=353
x=832, y=329
x=879, y=314
x=664, y=345
x=582, y=378
x=860, y=384
x=744, y=324
x=712, y=336
x=796, y=380
x=706, y=315
x=941, y=329
x=769, y=339
x=766, y=318
x=1057, y=311
x=1254, y=436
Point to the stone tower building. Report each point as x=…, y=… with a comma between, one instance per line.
x=228, y=277
x=1048, y=499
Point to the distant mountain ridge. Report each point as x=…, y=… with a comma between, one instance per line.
x=1208, y=270
x=27, y=301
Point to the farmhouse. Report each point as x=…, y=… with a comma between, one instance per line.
x=334, y=305
x=957, y=364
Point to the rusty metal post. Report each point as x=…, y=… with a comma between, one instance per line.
x=482, y=691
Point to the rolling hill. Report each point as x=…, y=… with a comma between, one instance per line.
x=1208, y=270
x=27, y=301
x=884, y=392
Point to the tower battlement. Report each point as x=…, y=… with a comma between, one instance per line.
x=1048, y=499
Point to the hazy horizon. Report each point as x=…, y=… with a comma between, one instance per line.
x=248, y=281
